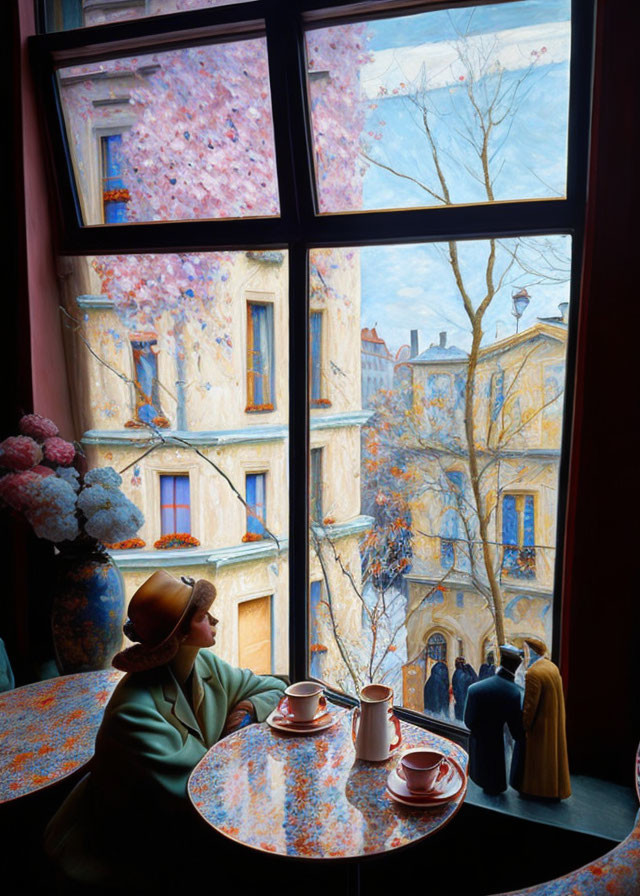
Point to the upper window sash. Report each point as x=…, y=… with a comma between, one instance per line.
x=299, y=220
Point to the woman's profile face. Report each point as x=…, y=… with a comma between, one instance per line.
x=202, y=631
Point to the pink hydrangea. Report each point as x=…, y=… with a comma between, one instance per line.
x=38, y=427
x=42, y=471
x=58, y=451
x=19, y=453
x=15, y=489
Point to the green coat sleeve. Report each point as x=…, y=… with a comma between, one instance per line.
x=263, y=691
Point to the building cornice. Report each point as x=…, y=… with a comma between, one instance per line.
x=341, y=530
x=218, y=558
x=337, y=421
x=462, y=583
x=232, y=555
x=273, y=432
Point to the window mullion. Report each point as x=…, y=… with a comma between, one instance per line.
x=298, y=460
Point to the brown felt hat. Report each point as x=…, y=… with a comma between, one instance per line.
x=156, y=613
x=536, y=644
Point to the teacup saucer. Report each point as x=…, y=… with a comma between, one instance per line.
x=447, y=789
x=324, y=719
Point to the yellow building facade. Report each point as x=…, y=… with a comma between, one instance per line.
x=518, y=426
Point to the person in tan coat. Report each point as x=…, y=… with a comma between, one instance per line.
x=546, y=765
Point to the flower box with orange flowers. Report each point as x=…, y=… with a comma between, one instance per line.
x=252, y=536
x=320, y=403
x=121, y=194
x=176, y=540
x=254, y=408
x=318, y=648
x=126, y=545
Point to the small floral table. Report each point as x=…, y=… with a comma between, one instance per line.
x=308, y=797
x=48, y=729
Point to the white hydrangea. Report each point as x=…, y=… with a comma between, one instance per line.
x=70, y=475
x=52, y=510
x=117, y=523
x=110, y=516
x=106, y=476
x=95, y=498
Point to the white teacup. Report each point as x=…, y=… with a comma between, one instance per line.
x=422, y=769
x=301, y=701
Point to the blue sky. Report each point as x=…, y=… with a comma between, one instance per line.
x=441, y=24
x=409, y=287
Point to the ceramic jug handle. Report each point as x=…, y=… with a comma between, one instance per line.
x=398, y=740
x=354, y=723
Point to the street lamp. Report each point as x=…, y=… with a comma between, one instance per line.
x=520, y=301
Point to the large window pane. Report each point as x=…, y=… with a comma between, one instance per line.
x=449, y=106
x=157, y=349
x=173, y=136
x=445, y=370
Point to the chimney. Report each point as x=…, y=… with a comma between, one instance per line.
x=415, y=345
x=563, y=307
x=443, y=339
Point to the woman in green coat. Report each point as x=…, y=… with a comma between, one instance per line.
x=132, y=810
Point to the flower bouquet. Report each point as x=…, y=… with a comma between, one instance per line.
x=74, y=511
x=79, y=513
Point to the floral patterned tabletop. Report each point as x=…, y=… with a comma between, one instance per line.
x=308, y=797
x=48, y=729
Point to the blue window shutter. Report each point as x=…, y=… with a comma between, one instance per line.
x=167, y=491
x=146, y=375
x=509, y=520
x=497, y=390
x=316, y=354
x=256, y=501
x=529, y=537
x=114, y=212
x=261, y=356
x=183, y=504
x=315, y=596
x=456, y=478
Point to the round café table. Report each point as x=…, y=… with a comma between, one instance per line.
x=308, y=797
x=48, y=729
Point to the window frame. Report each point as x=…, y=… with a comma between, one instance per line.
x=300, y=228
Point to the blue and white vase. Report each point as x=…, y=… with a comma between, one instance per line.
x=87, y=612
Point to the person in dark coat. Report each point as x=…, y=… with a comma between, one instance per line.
x=436, y=690
x=492, y=704
x=463, y=677
x=487, y=669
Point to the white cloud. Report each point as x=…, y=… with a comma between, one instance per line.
x=513, y=47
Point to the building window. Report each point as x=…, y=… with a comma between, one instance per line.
x=254, y=635
x=114, y=193
x=256, y=497
x=175, y=504
x=437, y=648
x=497, y=393
x=147, y=393
x=315, y=361
x=451, y=551
x=315, y=485
x=518, y=536
x=260, y=357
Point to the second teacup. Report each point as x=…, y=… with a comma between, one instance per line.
x=422, y=769
x=302, y=701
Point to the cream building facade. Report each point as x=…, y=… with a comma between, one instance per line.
x=189, y=420
x=518, y=425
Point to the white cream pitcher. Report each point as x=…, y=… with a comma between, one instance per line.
x=374, y=728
